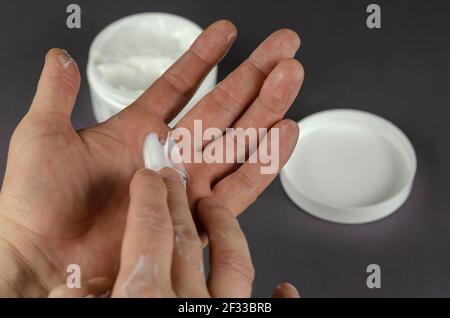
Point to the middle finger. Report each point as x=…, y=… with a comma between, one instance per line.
x=221, y=107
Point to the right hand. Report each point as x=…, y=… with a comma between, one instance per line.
x=162, y=252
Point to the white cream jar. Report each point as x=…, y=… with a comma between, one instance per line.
x=130, y=54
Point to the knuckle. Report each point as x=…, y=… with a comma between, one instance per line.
x=176, y=189
x=212, y=44
x=222, y=99
x=213, y=208
x=272, y=108
x=255, y=66
x=154, y=219
x=211, y=202
x=186, y=233
x=199, y=50
x=179, y=82
x=67, y=83
x=233, y=262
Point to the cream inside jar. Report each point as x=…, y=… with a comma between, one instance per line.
x=130, y=54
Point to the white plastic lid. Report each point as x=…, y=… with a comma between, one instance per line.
x=349, y=166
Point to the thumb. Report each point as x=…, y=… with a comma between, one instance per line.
x=59, y=83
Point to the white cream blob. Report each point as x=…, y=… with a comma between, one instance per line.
x=159, y=155
x=134, y=55
x=134, y=73
x=128, y=55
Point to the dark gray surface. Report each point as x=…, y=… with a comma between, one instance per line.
x=400, y=72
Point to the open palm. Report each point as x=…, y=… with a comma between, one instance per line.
x=66, y=192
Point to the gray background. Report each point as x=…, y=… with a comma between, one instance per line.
x=400, y=72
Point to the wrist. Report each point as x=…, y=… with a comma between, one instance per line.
x=24, y=270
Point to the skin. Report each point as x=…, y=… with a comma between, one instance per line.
x=176, y=254
x=65, y=194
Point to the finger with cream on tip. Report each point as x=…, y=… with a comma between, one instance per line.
x=158, y=155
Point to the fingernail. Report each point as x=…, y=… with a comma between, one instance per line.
x=65, y=59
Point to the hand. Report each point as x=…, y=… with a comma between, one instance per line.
x=157, y=262
x=65, y=195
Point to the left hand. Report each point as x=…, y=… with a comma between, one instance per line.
x=65, y=194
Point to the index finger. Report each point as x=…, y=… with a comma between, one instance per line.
x=146, y=255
